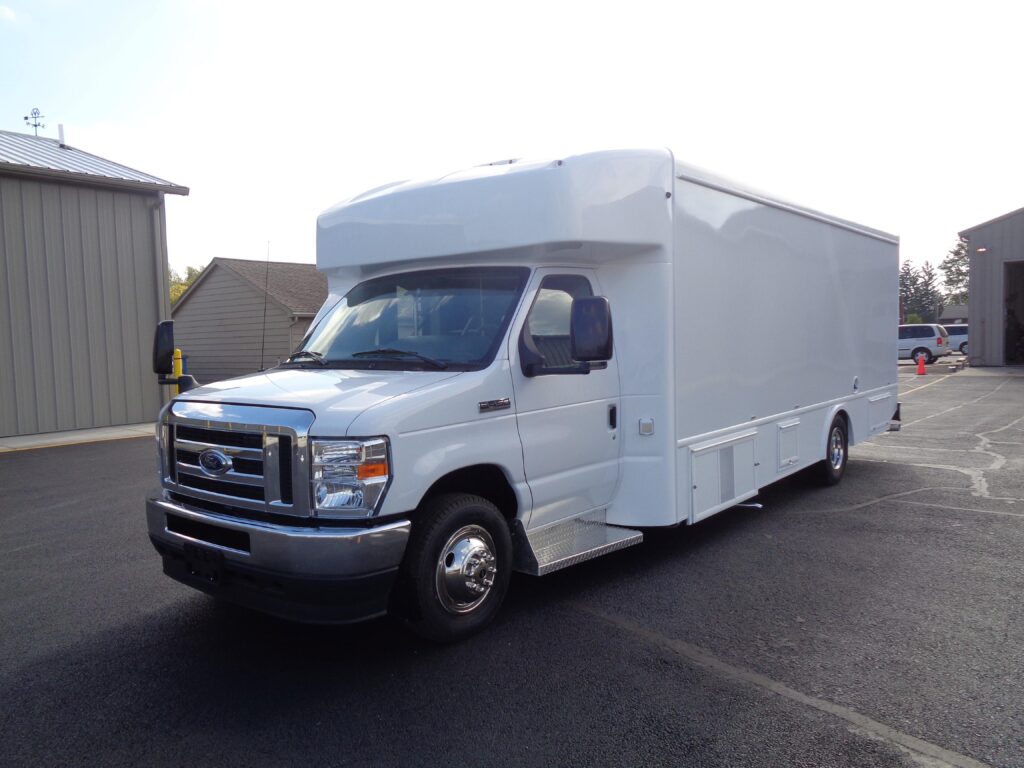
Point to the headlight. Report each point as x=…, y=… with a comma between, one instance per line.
x=349, y=476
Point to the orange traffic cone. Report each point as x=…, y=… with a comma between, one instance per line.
x=920, y=366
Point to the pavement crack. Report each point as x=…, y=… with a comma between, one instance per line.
x=979, y=480
x=1005, y=512
x=929, y=754
x=888, y=497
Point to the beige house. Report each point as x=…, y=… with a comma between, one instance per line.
x=243, y=316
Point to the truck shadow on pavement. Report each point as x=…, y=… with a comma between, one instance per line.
x=241, y=688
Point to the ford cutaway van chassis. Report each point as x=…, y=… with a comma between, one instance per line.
x=499, y=381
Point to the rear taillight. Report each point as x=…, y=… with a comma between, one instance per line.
x=938, y=341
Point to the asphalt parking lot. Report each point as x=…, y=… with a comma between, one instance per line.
x=878, y=623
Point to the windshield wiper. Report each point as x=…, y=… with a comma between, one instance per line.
x=315, y=356
x=388, y=352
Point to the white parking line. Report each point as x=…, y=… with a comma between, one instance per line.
x=924, y=752
x=941, y=378
x=955, y=407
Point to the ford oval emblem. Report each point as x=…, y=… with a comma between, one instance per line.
x=213, y=462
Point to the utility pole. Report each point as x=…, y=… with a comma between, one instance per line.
x=35, y=121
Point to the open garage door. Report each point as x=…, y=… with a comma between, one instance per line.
x=1014, y=312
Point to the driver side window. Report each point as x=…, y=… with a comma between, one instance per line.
x=547, y=325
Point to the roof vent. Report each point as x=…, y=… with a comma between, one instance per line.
x=60, y=134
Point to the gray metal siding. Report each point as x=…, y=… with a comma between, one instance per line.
x=221, y=328
x=1004, y=241
x=78, y=289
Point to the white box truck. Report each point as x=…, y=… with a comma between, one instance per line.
x=461, y=407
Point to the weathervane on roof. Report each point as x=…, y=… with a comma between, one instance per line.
x=36, y=116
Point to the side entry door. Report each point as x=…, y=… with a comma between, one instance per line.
x=568, y=420
x=904, y=343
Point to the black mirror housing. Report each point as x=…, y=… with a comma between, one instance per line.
x=590, y=329
x=163, y=348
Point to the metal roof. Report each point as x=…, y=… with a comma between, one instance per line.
x=1011, y=214
x=40, y=156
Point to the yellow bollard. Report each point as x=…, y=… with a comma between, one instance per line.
x=177, y=368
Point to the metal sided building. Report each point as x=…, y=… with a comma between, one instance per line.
x=241, y=316
x=997, y=290
x=83, y=282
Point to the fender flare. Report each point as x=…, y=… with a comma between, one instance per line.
x=832, y=412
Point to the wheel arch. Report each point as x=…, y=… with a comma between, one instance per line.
x=841, y=411
x=489, y=481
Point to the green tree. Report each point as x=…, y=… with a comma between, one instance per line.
x=920, y=297
x=955, y=273
x=929, y=297
x=179, y=283
x=909, y=280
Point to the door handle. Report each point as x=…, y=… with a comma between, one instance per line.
x=613, y=417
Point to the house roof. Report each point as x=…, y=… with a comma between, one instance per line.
x=48, y=158
x=954, y=311
x=299, y=288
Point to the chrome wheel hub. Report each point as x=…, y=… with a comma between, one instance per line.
x=836, y=451
x=466, y=569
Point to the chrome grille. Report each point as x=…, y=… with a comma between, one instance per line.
x=265, y=448
x=245, y=449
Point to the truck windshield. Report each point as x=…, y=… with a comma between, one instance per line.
x=435, y=319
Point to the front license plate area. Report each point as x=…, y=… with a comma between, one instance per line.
x=204, y=563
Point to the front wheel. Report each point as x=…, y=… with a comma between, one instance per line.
x=457, y=567
x=833, y=467
x=963, y=348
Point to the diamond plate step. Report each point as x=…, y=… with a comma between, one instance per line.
x=558, y=546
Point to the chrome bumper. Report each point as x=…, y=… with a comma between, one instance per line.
x=308, y=552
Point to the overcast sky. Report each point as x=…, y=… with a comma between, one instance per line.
x=903, y=116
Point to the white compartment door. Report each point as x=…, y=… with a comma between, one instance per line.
x=789, y=444
x=723, y=473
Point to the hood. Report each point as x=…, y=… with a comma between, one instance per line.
x=335, y=396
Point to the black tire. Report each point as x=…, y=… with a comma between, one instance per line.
x=832, y=468
x=963, y=348
x=456, y=541
x=922, y=352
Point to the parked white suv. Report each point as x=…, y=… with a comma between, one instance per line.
x=929, y=341
x=958, y=337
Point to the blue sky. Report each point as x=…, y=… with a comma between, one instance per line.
x=90, y=62
x=900, y=115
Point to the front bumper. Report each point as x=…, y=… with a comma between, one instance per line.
x=322, y=575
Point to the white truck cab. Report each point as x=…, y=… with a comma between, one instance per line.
x=461, y=407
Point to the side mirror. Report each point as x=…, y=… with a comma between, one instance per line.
x=163, y=348
x=590, y=329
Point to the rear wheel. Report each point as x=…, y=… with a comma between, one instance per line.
x=833, y=467
x=963, y=348
x=457, y=567
x=922, y=354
